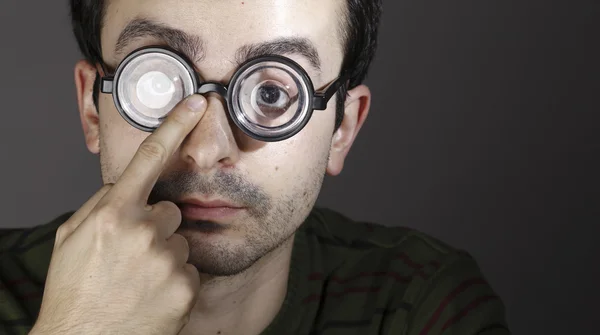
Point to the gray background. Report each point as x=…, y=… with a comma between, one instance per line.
x=483, y=133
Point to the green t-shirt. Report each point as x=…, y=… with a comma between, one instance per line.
x=346, y=278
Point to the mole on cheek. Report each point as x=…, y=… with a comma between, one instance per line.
x=277, y=168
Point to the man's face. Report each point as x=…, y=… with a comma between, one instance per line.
x=276, y=183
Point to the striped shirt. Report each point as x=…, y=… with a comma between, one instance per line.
x=346, y=277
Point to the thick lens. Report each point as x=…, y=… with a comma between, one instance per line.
x=150, y=85
x=268, y=96
x=270, y=99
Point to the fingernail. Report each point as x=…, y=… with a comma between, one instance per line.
x=195, y=102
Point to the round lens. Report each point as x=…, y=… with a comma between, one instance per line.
x=270, y=98
x=150, y=85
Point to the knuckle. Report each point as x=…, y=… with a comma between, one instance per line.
x=62, y=231
x=185, y=288
x=114, y=203
x=153, y=150
x=181, y=246
x=167, y=261
x=182, y=241
x=192, y=273
x=147, y=231
x=178, y=119
x=106, y=219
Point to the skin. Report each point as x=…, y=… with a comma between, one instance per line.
x=244, y=263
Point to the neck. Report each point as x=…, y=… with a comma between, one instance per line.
x=245, y=303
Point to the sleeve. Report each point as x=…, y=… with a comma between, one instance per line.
x=458, y=300
x=15, y=286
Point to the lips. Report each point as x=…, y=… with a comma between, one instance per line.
x=214, y=210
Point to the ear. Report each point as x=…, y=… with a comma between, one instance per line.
x=85, y=75
x=356, y=110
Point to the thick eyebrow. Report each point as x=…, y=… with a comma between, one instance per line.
x=190, y=45
x=284, y=45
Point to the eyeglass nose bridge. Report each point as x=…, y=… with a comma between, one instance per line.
x=209, y=87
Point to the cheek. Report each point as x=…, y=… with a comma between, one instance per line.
x=306, y=151
x=118, y=142
x=297, y=163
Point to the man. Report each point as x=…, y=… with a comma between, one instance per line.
x=215, y=122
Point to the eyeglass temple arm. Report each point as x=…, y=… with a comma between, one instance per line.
x=106, y=82
x=321, y=99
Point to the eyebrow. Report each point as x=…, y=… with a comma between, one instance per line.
x=179, y=40
x=280, y=46
x=193, y=46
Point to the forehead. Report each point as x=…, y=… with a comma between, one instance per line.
x=225, y=26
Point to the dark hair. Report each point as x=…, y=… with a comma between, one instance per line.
x=358, y=28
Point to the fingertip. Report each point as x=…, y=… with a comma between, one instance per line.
x=195, y=103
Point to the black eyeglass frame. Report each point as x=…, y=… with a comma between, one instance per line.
x=319, y=100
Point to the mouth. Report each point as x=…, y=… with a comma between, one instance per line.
x=216, y=210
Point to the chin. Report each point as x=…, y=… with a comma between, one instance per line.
x=223, y=250
x=221, y=256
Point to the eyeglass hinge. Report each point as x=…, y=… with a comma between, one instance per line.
x=107, y=85
x=319, y=102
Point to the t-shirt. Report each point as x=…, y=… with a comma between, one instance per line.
x=346, y=277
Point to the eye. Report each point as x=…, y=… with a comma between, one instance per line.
x=270, y=99
x=155, y=89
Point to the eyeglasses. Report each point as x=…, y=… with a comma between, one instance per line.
x=270, y=98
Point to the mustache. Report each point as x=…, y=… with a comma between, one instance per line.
x=225, y=185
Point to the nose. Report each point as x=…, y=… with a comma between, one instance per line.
x=211, y=144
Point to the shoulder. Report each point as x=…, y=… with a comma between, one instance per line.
x=399, y=246
x=411, y=282
x=14, y=239
x=24, y=259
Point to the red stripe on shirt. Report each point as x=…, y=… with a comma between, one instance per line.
x=396, y=276
x=404, y=257
x=317, y=297
x=471, y=306
x=446, y=301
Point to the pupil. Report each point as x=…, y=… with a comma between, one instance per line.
x=269, y=94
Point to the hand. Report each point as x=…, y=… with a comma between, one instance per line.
x=117, y=266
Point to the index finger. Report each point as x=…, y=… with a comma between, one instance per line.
x=139, y=177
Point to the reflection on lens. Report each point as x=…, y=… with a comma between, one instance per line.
x=155, y=90
x=150, y=85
